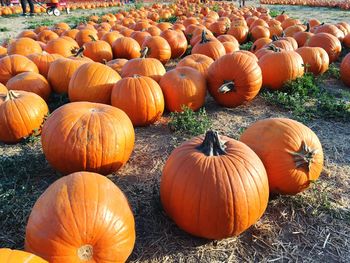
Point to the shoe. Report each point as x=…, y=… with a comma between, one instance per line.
x=31, y=14
x=23, y=14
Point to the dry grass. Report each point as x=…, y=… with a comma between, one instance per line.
x=311, y=227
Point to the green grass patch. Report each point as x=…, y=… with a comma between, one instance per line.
x=4, y=29
x=246, y=46
x=43, y=22
x=73, y=22
x=171, y=19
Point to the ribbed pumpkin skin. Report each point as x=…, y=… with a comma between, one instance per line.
x=98, y=51
x=213, y=49
x=279, y=67
x=149, y=67
x=158, y=48
x=23, y=46
x=316, y=58
x=117, y=64
x=141, y=98
x=17, y=256
x=245, y=73
x=21, y=116
x=273, y=140
x=12, y=65
x=61, y=46
x=81, y=209
x=84, y=36
x=31, y=82
x=183, y=86
x=126, y=47
x=197, y=61
x=84, y=136
x=214, y=196
x=60, y=73
x=328, y=42
x=345, y=70
x=177, y=42
x=43, y=61
x=3, y=88
x=92, y=82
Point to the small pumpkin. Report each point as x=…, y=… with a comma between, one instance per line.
x=84, y=36
x=98, y=50
x=21, y=115
x=291, y=152
x=223, y=186
x=209, y=47
x=17, y=256
x=183, y=86
x=345, y=70
x=31, y=82
x=197, y=61
x=140, y=97
x=99, y=225
x=85, y=136
x=92, y=82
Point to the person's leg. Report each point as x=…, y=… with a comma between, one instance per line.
x=24, y=6
x=31, y=6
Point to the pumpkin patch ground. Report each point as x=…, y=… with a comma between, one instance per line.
x=312, y=226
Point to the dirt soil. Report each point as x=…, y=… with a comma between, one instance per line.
x=310, y=227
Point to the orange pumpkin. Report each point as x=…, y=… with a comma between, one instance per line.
x=92, y=82
x=14, y=64
x=117, y=64
x=85, y=136
x=291, y=152
x=23, y=46
x=46, y=35
x=61, y=46
x=98, y=50
x=126, y=47
x=239, y=32
x=223, y=185
x=21, y=115
x=328, y=42
x=177, y=42
x=158, y=48
x=345, y=70
x=3, y=89
x=234, y=79
x=315, y=59
x=209, y=47
x=140, y=97
x=84, y=36
x=110, y=37
x=43, y=61
x=31, y=82
x=183, y=86
x=197, y=61
x=99, y=225
x=17, y=256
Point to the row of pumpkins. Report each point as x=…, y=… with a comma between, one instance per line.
x=212, y=186
x=343, y=4
x=16, y=9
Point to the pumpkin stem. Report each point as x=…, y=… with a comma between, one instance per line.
x=104, y=61
x=212, y=145
x=85, y=252
x=79, y=52
x=144, y=52
x=227, y=87
x=92, y=38
x=307, y=27
x=11, y=95
x=283, y=34
x=274, y=38
x=204, y=37
x=283, y=12
x=273, y=48
x=304, y=157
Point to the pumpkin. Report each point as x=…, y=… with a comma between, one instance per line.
x=328, y=42
x=3, y=88
x=46, y=35
x=149, y=67
x=140, y=97
x=71, y=33
x=304, y=36
x=183, y=86
x=345, y=70
x=84, y=36
x=31, y=82
x=260, y=43
x=110, y=37
x=279, y=67
x=140, y=36
x=3, y=51
x=117, y=64
x=291, y=152
x=23, y=46
x=209, y=47
x=43, y=61
x=234, y=79
x=346, y=41
x=98, y=50
x=14, y=64
x=126, y=47
x=85, y=136
x=330, y=29
x=315, y=59
x=177, y=41
x=197, y=61
x=158, y=48
x=27, y=33
x=239, y=32
x=17, y=256
x=61, y=46
x=214, y=187
x=260, y=32
x=92, y=82
x=98, y=224
x=21, y=115
x=60, y=73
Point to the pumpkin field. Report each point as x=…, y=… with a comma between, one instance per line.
x=176, y=132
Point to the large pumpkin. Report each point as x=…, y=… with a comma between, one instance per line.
x=234, y=79
x=17, y=256
x=140, y=97
x=345, y=70
x=177, y=41
x=157, y=47
x=61, y=46
x=328, y=42
x=82, y=217
x=84, y=36
x=197, y=61
x=315, y=59
x=291, y=152
x=92, y=82
x=21, y=115
x=214, y=187
x=126, y=47
x=279, y=67
x=212, y=48
x=31, y=82
x=12, y=65
x=183, y=86
x=23, y=46
x=85, y=136
x=43, y=61
x=98, y=50
x=60, y=73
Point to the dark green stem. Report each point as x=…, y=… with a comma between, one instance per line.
x=212, y=145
